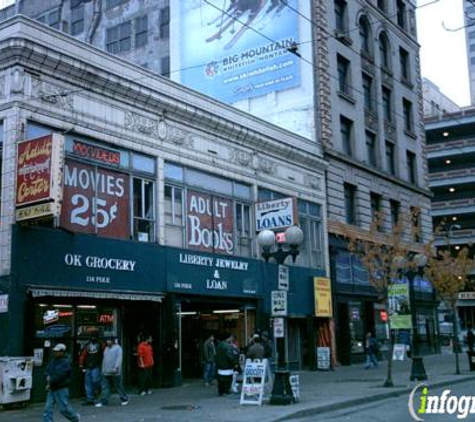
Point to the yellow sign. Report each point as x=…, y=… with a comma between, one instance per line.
x=323, y=297
x=35, y=211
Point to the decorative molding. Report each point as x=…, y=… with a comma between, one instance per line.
x=240, y=157
x=52, y=94
x=17, y=80
x=143, y=125
x=314, y=182
x=180, y=137
x=2, y=86
x=265, y=165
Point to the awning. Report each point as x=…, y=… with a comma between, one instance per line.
x=465, y=302
x=95, y=294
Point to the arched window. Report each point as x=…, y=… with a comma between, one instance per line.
x=365, y=34
x=384, y=51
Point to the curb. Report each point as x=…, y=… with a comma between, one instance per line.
x=362, y=400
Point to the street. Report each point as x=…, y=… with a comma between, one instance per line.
x=393, y=410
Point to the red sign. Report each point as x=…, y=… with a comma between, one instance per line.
x=383, y=315
x=210, y=223
x=34, y=170
x=93, y=152
x=95, y=200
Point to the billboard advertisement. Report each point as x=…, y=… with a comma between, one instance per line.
x=210, y=223
x=95, y=200
x=399, y=306
x=237, y=49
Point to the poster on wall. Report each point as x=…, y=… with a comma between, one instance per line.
x=95, y=200
x=399, y=306
x=210, y=223
x=238, y=49
x=323, y=297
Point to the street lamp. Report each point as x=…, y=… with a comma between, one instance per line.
x=419, y=261
x=266, y=239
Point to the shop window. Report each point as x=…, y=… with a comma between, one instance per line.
x=143, y=163
x=349, y=269
x=174, y=221
x=174, y=172
x=54, y=321
x=243, y=229
x=143, y=208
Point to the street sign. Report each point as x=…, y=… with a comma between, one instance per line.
x=278, y=327
x=283, y=278
x=279, y=303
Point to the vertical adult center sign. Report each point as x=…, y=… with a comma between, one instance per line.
x=232, y=53
x=39, y=168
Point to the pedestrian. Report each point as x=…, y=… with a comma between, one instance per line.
x=209, y=359
x=58, y=378
x=470, y=339
x=90, y=361
x=145, y=363
x=256, y=350
x=371, y=351
x=112, y=373
x=265, y=341
x=226, y=361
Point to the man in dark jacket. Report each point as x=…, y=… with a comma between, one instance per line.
x=209, y=360
x=58, y=378
x=90, y=361
x=226, y=361
x=256, y=350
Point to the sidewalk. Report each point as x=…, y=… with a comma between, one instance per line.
x=319, y=392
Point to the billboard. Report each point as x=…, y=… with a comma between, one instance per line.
x=95, y=200
x=237, y=49
x=210, y=223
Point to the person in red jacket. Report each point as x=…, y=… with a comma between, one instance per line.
x=145, y=363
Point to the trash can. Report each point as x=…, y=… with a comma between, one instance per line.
x=15, y=379
x=471, y=360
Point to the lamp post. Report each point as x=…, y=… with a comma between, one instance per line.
x=454, y=311
x=419, y=261
x=266, y=239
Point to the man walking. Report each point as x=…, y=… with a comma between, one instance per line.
x=111, y=373
x=145, y=364
x=90, y=362
x=58, y=378
x=371, y=351
x=209, y=357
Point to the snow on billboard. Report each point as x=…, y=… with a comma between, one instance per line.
x=237, y=49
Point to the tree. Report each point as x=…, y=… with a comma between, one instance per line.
x=377, y=250
x=449, y=272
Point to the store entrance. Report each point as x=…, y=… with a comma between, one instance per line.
x=200, y=319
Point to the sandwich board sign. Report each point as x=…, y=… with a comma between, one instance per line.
x=254, y=381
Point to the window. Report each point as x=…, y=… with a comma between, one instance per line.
x=350, y=203
x=119, y=38
x=165, y=66
x=365, y=35
x=407, y=112
x=368, y=92
x=390, y=158
x=77, y=20
x=405, y=65
x=346, y=130
x=382, y=5
x=174, y=221
x=411, y=167
x=1, y=161
x=386, y=100
x=395, y=207
x=164, y=23
x=310, y=220
x=143, y=210
x=141, y=31
x=243, y=229
x=344, y=77
x=376, y=209
x=384, y=51
x=371, y=148
x=401, y=13
x=113, y=3
x=416, y=224
x=51, y=19
x=340, y=15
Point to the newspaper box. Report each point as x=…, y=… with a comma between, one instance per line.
x=15, y=379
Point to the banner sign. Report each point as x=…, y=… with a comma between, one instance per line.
x=237, y=50
x=275, y=215
x=323, y=297
x=95, y=200
x=39, y=167
x=210, y=221
x=399, y=306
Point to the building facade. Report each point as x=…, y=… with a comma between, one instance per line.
x=343, y=74
x=436, y=103
x=128, y=205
